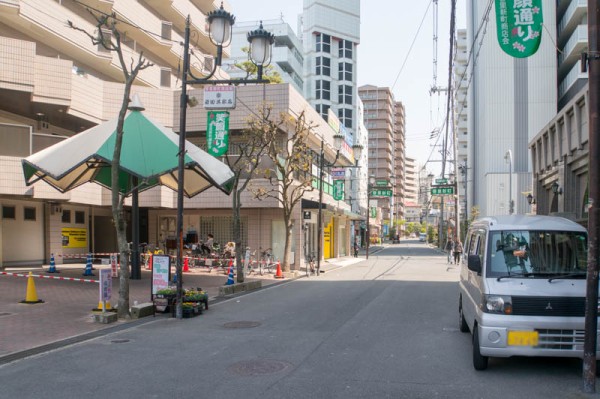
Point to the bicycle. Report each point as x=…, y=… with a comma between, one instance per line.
x=266, y=261
x=310, y=264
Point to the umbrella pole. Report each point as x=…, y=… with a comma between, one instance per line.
x=136, y=272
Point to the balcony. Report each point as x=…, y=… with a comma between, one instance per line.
x=577, y=43
x=574, y=16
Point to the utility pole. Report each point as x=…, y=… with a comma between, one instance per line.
x=591, y=304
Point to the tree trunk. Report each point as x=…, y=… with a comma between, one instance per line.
x=237, y=232
x=287, y=221
x=121, y=226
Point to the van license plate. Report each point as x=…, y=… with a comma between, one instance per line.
x=523, y=338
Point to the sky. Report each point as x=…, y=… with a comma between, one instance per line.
x=396, y=50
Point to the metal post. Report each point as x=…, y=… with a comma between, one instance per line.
x=591, y=304
x=180, y=171
x=368, y=218
x=136, y=272
x=320, y=213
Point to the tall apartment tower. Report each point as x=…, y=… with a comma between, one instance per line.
x=331, y=34
x=510, y=100
x=461, y=131
x=379, y=117
x=411, y=181
x=286, y=56
x=572, y=40
x=399, y=159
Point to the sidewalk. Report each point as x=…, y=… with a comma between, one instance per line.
x=66, y=313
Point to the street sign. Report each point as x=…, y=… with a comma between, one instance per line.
x=381, y=193
x=380, y=183
x=442, y=190
x=441, y=181
x=217, y=132
x=338, y=190
x=219, y=97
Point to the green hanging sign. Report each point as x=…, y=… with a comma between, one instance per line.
x=217, y=132
x=519, y=26
x=338, y=190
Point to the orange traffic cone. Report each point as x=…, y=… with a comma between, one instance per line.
x=186, y=265
x=278, y=274
x=150, y=263
x=31, y=295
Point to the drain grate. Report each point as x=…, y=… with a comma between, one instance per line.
x=242, y=324
x=5, y=314
x=258, y=367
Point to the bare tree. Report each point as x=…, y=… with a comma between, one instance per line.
x=250, y=147
x=290, y=177
x=108, y=36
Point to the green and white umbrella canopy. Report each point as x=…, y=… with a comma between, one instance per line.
x=149, y=152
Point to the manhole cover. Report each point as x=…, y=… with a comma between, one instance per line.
x=119, y=341
x=241, y=324
x=258, y=367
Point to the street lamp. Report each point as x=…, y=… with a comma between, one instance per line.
x=337, y=140
x=508, y=157
x=220, y=24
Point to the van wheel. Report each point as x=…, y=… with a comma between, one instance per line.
x=479, y=362
x=462, y=323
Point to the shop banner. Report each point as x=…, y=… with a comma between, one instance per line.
x=217, y=133
x=519, y=26
x=74, y=238
x=338, y=190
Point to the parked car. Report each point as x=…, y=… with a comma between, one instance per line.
x=522, y=287
x=422, y=237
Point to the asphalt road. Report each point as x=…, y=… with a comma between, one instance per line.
x=381, y=328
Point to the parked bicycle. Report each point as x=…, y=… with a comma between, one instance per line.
x=310, y=264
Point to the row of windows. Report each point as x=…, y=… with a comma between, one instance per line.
x=323, y=44
x=30, y=213
x=323, y=68
x=344, y=114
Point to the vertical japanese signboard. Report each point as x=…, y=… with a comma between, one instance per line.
x=105, y=287
x=338, y=190
x=161, y=272
x=519, y=26
x=217, y=132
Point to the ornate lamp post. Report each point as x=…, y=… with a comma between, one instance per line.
x=219, y=30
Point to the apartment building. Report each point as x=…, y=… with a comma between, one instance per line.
x=510, y=100
x=411, y=180
x=331, y=35
x=379, y=119
x=461, y=132
x=287, y=53
x=399, y=160
x=54, y=83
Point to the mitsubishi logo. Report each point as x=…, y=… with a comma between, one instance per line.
x=549, y=306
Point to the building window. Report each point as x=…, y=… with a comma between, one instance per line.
x=345, y=94
x=345, y=116
x=323, y=110
x=323, y=90
x=323, y=43
x=165, y=32
x=29, y=213
x=345, y=71
x=165, y=77
x=345, y=49
x=323, y=66
x=8, y=212
x=79, y=217
x=66, y=216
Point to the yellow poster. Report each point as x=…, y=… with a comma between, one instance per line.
x=74, y=238
x=327, y=247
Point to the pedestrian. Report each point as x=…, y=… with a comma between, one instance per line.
x=207, y=247
x=458, y=249
x=356, y=249
x=449, y=250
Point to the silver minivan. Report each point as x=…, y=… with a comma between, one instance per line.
x=522, y=287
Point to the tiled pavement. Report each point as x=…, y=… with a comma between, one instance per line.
x=66, y=312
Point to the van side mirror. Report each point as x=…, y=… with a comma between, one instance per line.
x=474, y=263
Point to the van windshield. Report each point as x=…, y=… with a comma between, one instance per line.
x=537, y=254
